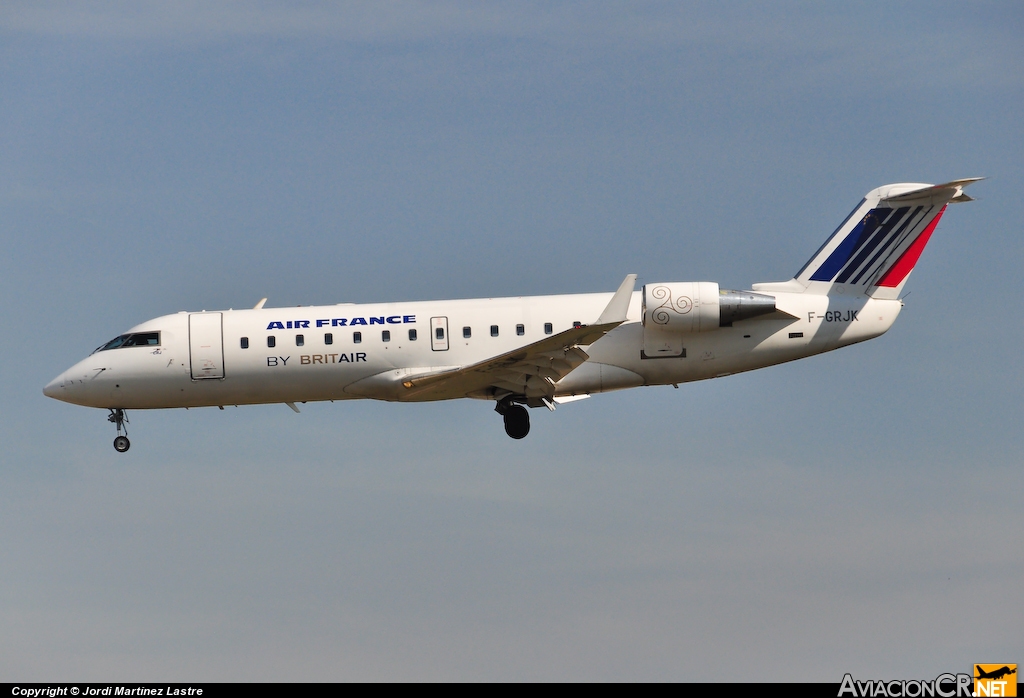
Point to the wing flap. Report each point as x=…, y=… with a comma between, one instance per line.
x=556, y=356
x=531, y=370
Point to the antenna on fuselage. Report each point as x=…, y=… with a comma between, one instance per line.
x=260, y=304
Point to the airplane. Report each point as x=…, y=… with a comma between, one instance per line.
x=522, y=352
x=995, y=674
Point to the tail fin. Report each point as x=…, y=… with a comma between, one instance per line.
x=876, y=247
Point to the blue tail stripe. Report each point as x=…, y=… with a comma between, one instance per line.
x=841, y=255
x=912, y=222
x=876, y=239
x=830, y=238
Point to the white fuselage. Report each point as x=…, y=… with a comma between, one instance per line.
x=337, y=367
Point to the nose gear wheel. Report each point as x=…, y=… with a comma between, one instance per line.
x=120, y=418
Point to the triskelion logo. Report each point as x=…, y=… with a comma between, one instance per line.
x=995, y=680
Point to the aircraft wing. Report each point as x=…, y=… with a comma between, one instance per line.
x=531, y=370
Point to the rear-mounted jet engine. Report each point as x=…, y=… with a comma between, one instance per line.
x=671, y=310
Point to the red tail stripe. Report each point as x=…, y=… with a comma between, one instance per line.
x=903, y=266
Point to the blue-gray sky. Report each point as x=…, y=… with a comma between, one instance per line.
x=856, y=512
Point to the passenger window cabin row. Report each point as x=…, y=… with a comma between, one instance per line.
x=385, y=335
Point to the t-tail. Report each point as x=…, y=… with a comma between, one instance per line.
x=874, y=250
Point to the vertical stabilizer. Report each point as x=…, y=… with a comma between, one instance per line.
x=874, y=250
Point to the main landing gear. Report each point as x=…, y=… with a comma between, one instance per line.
x=120, y=418
x=517, y=419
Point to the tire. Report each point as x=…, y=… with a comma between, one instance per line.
x=517, y=421
x=122, y=444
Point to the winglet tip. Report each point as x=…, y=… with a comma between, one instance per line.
x=618, y=306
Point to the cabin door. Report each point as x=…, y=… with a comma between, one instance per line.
x=206, y=345
x=439, y=333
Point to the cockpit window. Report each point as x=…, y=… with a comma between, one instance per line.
x=112, y=344
x=143, y=339
x=136, y=339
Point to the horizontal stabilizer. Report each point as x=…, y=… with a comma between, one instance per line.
x=948, y=191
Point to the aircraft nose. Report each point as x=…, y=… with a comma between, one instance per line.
x=55, y=388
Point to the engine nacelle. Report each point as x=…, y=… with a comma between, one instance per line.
x=674, y=310
x=682, y=307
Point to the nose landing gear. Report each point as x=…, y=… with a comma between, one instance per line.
x=119, y=419
x=517, y=419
